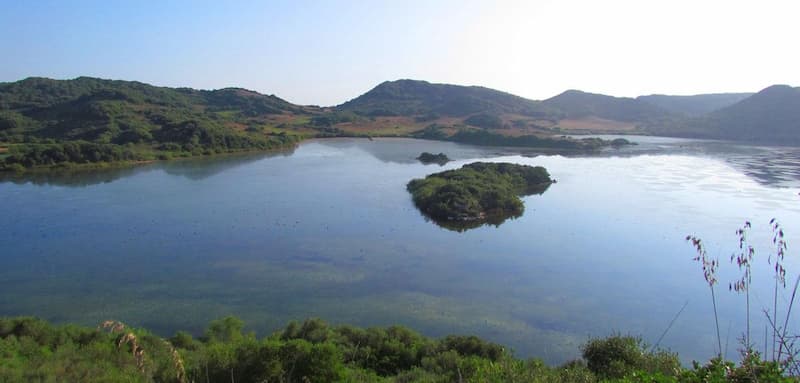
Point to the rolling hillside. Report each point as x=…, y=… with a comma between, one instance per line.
x=122, y=112
x=770, y=116
x=45, y=122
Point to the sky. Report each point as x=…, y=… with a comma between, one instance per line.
x=327, y=52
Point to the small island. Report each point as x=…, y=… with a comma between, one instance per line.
x=618, y=142
x=478, y=193
x=430, y=158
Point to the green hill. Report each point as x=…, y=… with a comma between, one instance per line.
x=696, y=105
x=109, y=121
x=121, y=111
x=421, y=98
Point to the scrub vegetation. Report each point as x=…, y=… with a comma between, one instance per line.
x=48, y=123
x=430, y=158
x=90, y=122
x=478, y=193
x=314, y=351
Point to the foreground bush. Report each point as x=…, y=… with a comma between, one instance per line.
x=32, y=350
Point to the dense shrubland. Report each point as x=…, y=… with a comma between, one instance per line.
x=430, y=158
x=47, y=123
x=478, y=192
x=314, y=351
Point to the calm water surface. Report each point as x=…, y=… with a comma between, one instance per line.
x=329, y=230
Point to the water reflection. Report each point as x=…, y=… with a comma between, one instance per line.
x=769, y=166
x=202, y=168
x=490, y=220
x=72, y=177
x=396, y=150
x=192, y=168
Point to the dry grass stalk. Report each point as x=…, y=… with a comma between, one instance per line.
x=112, y=326
x=177, y=362
x=138, y=352
x=744, y=260
x=710, y=274
x=779, y=242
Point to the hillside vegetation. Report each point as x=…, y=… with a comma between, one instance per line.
x=47, y=123
x=430, y=158
x=463, y=109
x=32, y=350
x=423, y=99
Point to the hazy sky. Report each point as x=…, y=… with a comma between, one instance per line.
x=326, y=52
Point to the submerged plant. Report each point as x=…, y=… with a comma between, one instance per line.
x=710, y=275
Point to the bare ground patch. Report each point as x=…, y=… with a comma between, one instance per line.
x=381, y=126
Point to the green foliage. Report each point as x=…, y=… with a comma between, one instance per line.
x=226, y=330
x=330, y=119
x=313, y=351
x=112, y=115
x=750, y=370
x=619, y=356
x=484, y=120
x=75, y=152
x=478, y=192
x=428, y=101
x=12, y=121
x=430, y=158
x=472, y=346
x=621, y=142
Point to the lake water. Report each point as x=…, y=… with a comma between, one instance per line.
x=329, y=230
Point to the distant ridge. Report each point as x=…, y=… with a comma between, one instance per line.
x=769, y=116
x=694, y=105
x=578, y=104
